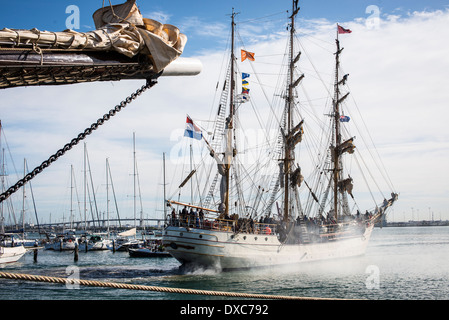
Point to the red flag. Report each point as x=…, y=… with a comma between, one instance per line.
x=247, y=55
x=343, y=30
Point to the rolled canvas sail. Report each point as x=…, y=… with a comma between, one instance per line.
x=119, y=28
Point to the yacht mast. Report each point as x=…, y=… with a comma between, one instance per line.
x=165, y=196
x=85, y=189
x=71, y=196
x=107, y=194
x=134, y=178
x=23, y=198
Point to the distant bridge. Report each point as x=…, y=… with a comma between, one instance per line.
x=103, y=223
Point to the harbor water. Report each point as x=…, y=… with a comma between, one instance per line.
x=408, y=263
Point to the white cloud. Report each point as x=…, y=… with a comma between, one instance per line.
x=204, y=28
x=159, y=16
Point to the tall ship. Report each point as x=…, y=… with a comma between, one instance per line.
x=280, y=208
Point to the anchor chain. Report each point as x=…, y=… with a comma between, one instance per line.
x=150, y=83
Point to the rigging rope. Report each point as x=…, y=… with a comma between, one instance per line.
x=150, y=83
x=93, y=283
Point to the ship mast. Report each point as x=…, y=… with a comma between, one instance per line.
x=338, y=149
x=289, y=155
x=337, y=137
x=229, y=153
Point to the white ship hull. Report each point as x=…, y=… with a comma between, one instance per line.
x=11, y=254
x=224, y=250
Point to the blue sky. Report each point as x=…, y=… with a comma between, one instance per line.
x=197, y=14
x=398, y=74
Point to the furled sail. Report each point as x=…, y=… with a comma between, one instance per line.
x=129, y=36
x=295, y=135
x=124, y=45
x=346, y=185
x=347, y=146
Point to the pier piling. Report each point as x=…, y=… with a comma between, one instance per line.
x=35, y=252
x=75, y=258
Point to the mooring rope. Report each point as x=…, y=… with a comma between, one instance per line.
x=94, y=283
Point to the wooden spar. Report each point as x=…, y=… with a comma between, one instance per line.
x=191, y=206
x=187, y=178
x=22, y=67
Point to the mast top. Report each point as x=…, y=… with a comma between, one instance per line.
x=296, y=8
x=233, y=14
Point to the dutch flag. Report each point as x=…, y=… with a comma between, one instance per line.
x=192, y=131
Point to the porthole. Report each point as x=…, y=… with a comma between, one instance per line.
x=255, y=238
x=201, y=236
x=266, y=238
x=181, y=234
x=244, y=237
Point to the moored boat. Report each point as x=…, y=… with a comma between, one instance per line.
x=10, y=252
x=62, y=242
x=150, y=249
x=125, y=240
x=94, y=242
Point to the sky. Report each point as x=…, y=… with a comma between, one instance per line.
x=397, y=56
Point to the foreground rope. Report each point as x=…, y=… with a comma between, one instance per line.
x=92, y=283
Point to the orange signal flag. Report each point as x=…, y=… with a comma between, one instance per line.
x=247, y=55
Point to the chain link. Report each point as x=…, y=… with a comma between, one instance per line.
x=150, y=83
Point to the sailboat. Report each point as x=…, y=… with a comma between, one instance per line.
x=126, y=240
x=95, y=242
x=10, y=253
x=294, y=219
x=11, y=248
x=66, y=241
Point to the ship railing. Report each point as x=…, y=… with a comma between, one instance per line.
x=265, y=228
x=190, y=222
x=224, y=225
